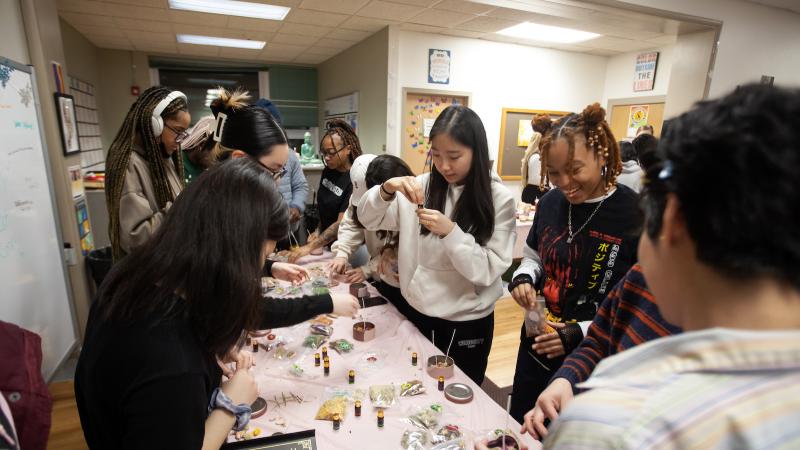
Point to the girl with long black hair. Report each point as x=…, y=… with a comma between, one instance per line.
x=457, y=231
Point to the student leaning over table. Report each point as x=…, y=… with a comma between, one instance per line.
x=148, y=374
x=450, y=267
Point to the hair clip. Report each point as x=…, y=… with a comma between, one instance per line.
x=666, y=172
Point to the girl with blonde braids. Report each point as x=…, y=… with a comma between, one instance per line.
x=582, y=242
x=144, y=171
x=532, y=161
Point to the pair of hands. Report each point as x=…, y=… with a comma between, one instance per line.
x=343, y=304
x=436, y=222
x=294, y=215
x=548, y=344
x=241, y=385
x=352, y=275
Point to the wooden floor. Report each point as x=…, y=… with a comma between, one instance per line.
x=66, y=433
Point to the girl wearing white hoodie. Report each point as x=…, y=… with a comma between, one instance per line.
x=457, y=232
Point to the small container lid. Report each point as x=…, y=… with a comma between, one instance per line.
x=259, y=407
x=458, y=393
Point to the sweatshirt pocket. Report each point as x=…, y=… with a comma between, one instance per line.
x=440, y=292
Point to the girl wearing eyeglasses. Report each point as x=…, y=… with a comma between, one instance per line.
x=144, y=171
x=339, y=148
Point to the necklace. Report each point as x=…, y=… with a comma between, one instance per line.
x=571, y=236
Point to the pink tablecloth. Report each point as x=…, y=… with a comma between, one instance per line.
x=523, y=228
x=396, y=339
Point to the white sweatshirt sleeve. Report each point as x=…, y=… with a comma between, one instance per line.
x=350, y=236
x=375, y=213
x=483, y=265
x=531, y=264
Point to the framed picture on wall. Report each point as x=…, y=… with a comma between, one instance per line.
x=68, y=123
x=515, y=135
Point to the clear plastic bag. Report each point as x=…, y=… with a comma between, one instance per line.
x=446, y=433
x=332, y=407
x=415, y=440
x=342, y=346
x=455, y=444
x=496, y=437
x=349, y=393
x=536, y=319
x=412, y=388
x=425, y=417
x=314, y=341
x=383, y=395
x=372, y=362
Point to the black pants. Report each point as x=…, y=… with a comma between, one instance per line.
x=473, y=338
x=531, y=377
x=531, y=192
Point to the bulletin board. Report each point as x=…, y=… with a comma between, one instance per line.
x=513, y=144
x=420, y=110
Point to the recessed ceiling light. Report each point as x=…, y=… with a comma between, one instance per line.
x=232, y=8
x=220, y=42
x=547, y=33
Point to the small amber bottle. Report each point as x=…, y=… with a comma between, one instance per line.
x=358, y=408
x=316, y=359
x=380, y=418
x=441, y=383
x=414, y=359
x=327, y=366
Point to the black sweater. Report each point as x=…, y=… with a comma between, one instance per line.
x=147, y=384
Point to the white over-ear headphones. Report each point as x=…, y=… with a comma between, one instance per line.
x=156, y=121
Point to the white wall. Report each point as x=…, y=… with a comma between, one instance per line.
x=619, y=75
x=689, y=74
x=497, y=75
x=12, y=33
x=755, y=40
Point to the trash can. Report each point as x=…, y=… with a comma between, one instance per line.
x=99, y=263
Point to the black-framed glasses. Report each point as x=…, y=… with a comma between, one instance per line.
x=179, y=135
x=276, y=174
x=331, y=153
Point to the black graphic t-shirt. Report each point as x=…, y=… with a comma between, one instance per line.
x=578, y=276
x=333, y=196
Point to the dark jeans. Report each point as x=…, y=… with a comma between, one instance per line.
x=473, y=338
x=531, y=377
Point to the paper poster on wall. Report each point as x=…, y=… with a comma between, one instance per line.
x=637, y=117
x=76, y=180
x=438, y=66
x=524, y=133
x=644, y=75
x=428, y=124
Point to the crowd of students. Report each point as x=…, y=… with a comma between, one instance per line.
x=668, y=268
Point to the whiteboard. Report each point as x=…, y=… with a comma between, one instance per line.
x=33, y=279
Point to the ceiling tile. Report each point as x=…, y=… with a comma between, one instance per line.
x=138, y=12
x=286, y=48
x=441, y=18
x=198, y=50
x=240, y=53
x=198, y=18
x=163, y=4
x=289, y=3
x=108, y=41
x=156, y=47
x=83, y=6
x=111, y=32
x=294, y=39
x=336, y=6
x=665, y=39
x=423, y=3
x=310, y=59
x=146, y=36
x=221, y=32
x=464, y=33
x=113, y=45
x=141, y=25
x=366, y=24
x=334, y=43
x=76, y=19
x=616, y=44
x=322, y=51
x=463, y=7
x=309, y=17
x=378, y=9
x=421, y=28
x=601, y=52
x=486, y=24
x=246, y=23
x=348, y=35
x=308, y=30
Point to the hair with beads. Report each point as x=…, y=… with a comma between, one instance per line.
x=591, y=126
x=137, y=130
x=541, y=124
x=347, y=134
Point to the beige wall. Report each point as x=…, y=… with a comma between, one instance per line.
x=12, y=32
x=114, y=97
x=43, y=33
x=361, y=68
x=80, y=54
x=689, y=73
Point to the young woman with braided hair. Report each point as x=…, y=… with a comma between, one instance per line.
x=339, y=148
x=144, y=171
x=583, y=240
x=532, y=161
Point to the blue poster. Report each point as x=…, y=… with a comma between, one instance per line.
x=438, y=66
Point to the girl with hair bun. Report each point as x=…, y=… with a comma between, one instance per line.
x=532, y=162
x=582, y=241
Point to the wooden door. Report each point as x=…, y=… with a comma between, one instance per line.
x=621, y=114
x=419, y=112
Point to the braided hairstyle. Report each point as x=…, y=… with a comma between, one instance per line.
x=347, y=134
x=541, y=124
x=137, y=130
x=593, y=128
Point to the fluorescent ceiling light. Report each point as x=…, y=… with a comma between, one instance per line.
x=232, y=8
x=547, y=33
x=220, y=42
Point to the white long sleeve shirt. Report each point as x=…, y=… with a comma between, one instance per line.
x=453, y=277
x=351, y=237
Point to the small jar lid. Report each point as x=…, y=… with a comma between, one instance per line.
x=458, y=393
